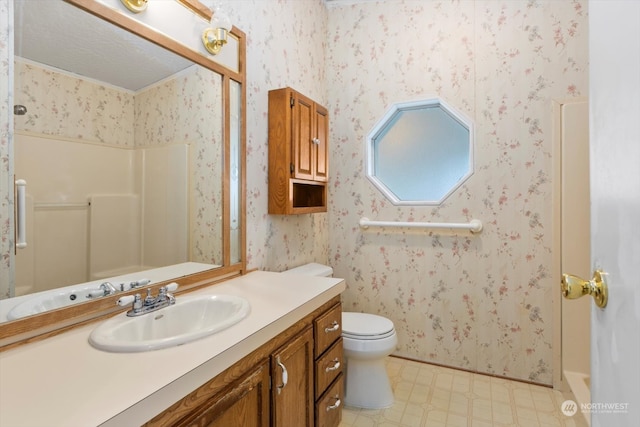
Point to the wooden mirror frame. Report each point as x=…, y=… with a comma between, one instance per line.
x=40, y=326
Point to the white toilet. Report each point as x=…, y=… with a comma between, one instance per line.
x=367, y=340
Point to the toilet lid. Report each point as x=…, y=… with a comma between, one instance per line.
x=365, y=325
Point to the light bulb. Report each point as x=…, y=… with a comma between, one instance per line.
x=220, y=19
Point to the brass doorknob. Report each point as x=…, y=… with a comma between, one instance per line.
x=574, y=287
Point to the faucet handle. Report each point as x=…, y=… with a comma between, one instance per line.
x=105, y=289
x=139, y=283
x=171, y=287
x=108, y=288
x=164, y=291
x=95, y=293
x=125, y=300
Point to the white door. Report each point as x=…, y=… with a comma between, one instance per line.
x=614, y=97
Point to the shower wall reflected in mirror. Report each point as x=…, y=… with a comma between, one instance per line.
x=121, y=145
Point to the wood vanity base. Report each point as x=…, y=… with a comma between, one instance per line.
x=246, y=394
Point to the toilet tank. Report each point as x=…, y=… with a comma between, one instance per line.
x=312, y=269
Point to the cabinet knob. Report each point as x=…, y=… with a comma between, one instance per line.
x=316, y=141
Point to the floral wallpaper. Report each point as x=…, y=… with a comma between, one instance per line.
x=63, y=105
x=286, y=46
x=480, y=302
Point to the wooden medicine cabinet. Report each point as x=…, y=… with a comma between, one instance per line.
x=298, y=153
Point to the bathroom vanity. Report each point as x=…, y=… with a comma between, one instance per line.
x=293, y=327
x=294, y=379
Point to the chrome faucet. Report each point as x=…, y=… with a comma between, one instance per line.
x=105, y=289
x=149, y=303
x=139, y=283
x=123, y=287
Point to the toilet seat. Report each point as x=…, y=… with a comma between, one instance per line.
x=365, y=326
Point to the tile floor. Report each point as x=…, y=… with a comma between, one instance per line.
x=428, y=395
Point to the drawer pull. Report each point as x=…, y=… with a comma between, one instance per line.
x=334, y=327
x=285, y=375
x=335, y=405
x=336, y=365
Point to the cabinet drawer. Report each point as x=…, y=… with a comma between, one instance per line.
x=329, y=407
x=327, y=328
x=328, y=367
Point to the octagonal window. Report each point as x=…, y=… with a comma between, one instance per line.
x=420, y=152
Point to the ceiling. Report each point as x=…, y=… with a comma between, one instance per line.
x=60, y=35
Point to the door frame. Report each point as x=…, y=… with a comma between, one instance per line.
x=558, y=381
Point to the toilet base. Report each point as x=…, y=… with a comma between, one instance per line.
x=367, y=384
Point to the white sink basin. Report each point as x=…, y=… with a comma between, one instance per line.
x=50, y=300
x=190, y=318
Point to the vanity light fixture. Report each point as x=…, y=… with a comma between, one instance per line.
x=135, y=6
x=215, y=36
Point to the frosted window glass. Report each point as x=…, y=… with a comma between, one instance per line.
x=420, y=152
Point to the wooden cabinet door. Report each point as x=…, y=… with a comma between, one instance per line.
x=246, y=404
x=321, y=144
x=303, y=129
x=292, y=383
x=298, y=153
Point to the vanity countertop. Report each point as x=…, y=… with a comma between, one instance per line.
x=64, y=381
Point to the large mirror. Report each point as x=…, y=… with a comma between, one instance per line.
x=132, y=152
